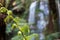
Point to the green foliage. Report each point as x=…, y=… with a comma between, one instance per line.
x=0, y=5
x=30, y=37
x=15, y=22
x=23, y=29
x=9, y=12
x=17, y=38
x=38, y=10
x=7, y=3
x=53, y=36
x=3, y=9
x=8, y=28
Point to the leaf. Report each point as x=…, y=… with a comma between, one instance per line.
x=17, y=37
x=25, y=29
x=14, y=25
x=53, y=36
x=32, y=37
x=9, y=12
x=19, y=33
x=3, y=10
x=16, y=19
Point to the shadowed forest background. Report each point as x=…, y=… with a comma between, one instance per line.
x=18, y=22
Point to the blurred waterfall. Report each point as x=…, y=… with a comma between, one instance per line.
x=32, y=8
x=41, y=23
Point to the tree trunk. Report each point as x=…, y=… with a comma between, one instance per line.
x=53, y=9
x=2, y=23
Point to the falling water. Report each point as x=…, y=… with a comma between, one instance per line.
x=41, y=23
x=32, y=12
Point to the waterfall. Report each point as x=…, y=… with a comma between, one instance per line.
x=32, y=8
x=41, y=23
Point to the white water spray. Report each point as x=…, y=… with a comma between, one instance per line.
x=41, y=23
x=32, y=8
